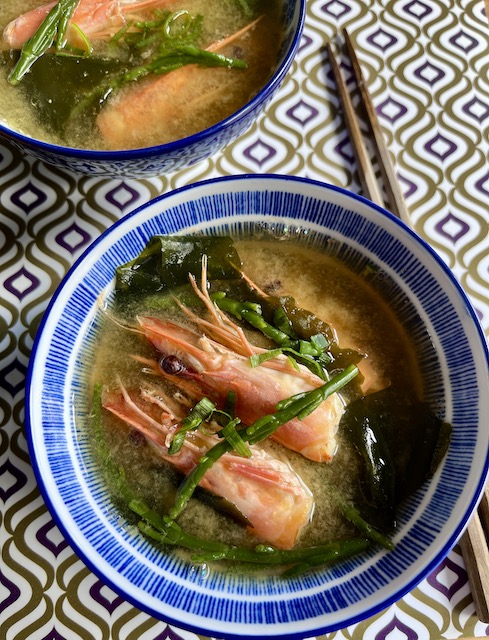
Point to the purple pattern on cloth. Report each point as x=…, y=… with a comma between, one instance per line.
x=344, y=149
x=336, y=8
x=448, y=568
x=15, y=284
x=463, y=41
x=168, y=634
x=110, y=605
x=13, y=589
x=476, y=109
x=306, y=41
x=391, y=110
x=478, y=313
x=398, y=629
x=12, y=377
x=452, y=227
x=382, y=40
x=259, y=152
x=19, y=480
x=418, y=9
x=54, y=635
x=429, y=73
x=302, y=112
x=43, y=537
x=440, y=146
x=122, y=196
x=411, y=187
x=483, y=184
x=73, y=238
x=28, y=197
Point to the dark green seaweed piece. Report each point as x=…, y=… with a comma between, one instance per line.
x=304, y=323
x=400, y=441
x=318, y=352
x=367, y=434
x=167, y=261
x=75, y=77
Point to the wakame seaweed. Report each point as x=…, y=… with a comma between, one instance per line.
x=400, y=443
x=167, y=261
x=75, y=77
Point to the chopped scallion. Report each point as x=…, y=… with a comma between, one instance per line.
x=201, y=412
x=230, y=433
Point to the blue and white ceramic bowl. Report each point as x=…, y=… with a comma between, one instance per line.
x=429, y=301
x=165, y=158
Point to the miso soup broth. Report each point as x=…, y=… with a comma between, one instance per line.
x=148, y=76
x=364, y=330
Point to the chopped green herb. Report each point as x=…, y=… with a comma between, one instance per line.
x=237, y=443
x=201, y=412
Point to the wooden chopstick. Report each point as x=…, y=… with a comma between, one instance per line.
x=475, y=552
x=484, y=509
x=474, y=542
x=396, y=203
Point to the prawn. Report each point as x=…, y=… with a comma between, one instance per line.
x=220, y=363
x=95, y=18
x=159, y=102
x=205, y=367
x=272, y=497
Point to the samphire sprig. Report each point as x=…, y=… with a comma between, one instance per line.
x=52, y=30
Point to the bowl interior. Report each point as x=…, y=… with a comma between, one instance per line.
x=426, y=298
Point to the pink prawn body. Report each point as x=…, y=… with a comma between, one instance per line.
x=267, y=491
x=213, y=370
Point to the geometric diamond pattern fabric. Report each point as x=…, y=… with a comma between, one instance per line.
x=426, y=65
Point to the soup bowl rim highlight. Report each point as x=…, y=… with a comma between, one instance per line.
x=244, y=112
x=250, y=598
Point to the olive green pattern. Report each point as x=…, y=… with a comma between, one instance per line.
x=426, y=63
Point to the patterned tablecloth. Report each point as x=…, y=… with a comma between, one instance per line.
x=427, y=66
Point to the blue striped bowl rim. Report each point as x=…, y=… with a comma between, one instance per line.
x=429, y=300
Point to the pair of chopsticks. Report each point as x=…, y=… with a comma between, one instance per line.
x=474, y=542
x=395, y=201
